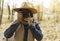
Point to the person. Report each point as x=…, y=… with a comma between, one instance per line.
x=24, y=27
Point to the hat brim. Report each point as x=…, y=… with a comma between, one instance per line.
x=34, y=11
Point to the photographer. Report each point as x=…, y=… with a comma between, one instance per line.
x=26, y=28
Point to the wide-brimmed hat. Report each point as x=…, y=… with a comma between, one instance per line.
x=26, y=6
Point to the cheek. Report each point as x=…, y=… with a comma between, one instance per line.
x=19, y=16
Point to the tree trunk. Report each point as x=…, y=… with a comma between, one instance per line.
x=38, y=8
x=1, y=10
x=9, y=12
x=12, y=15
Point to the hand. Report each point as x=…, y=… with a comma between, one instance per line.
x=29, y=21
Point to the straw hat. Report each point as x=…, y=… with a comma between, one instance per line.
x=26, y=6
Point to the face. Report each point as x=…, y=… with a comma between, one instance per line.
x=24, y=15
x=20, y=16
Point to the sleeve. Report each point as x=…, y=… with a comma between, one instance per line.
x=36, y=31
x=11, y=29
x=39, y=34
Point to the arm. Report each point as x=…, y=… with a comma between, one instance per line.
x=10, y=31
x=39, y=32
x=36, y=31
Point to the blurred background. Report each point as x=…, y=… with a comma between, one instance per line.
x=48, y=16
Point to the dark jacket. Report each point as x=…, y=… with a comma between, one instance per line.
x=34, y=27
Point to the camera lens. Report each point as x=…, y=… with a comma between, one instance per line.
x=25, y=14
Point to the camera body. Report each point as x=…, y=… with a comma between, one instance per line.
x=27, y=14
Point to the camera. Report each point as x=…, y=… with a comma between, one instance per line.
x=27, y=14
